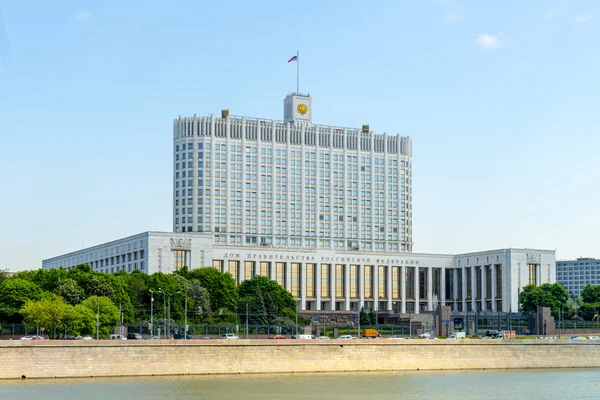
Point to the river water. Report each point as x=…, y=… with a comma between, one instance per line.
x=480, y=385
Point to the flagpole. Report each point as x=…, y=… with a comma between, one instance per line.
x=297, y=72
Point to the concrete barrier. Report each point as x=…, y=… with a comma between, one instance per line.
x=48, y=359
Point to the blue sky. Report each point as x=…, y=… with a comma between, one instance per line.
x=501, y=100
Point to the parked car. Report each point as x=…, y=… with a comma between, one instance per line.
x=324, y=338
x=594, y=337
x=134, y=336
x=154, y=338
x=277, y=337
x=69, y=337
x=229, y=336
x=87, y=338
x=396, y=337
x=345, y=337
x=32, y=338
x=206, y=338
x=117, y=337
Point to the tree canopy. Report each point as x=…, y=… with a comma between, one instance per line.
x=550, y=295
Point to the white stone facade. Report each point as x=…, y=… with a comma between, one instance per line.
x=323, y=279
x=255, y=181
x=148, y=252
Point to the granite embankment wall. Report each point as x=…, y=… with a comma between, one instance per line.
x=115, y=358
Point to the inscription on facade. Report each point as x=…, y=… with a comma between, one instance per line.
x=533, y=258
x=181, y=243
x=335, y=259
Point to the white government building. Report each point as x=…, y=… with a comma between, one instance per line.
x=325, y=211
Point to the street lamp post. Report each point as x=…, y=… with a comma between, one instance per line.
x=151, y=314
x=164, y=310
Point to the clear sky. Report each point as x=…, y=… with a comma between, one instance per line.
x=500, y=97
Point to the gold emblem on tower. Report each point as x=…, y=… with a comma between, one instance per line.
x=302, y=108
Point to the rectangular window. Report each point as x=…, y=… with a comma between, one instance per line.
x=248, y=269
x=498, y=280
x=233, y=268
x=532, y=273
x=396, y=279
x=382, y=282
x=339, y=281
x=488, y=281
x=469, y=282
x=310, y=280
x=368, y=281
x=459, y=284
x=478, y=283
x=423, y=283
x=280, y=273
x=179, y=257
x=449, y=284
x=325, y=280
x=218, y=264
x=295, y=281
x=410, y=282
x=354, y=275
x=265, y=268
x=437, y=283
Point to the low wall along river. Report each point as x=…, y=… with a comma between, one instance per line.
x=47, y=359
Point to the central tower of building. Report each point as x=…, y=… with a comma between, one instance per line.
x=291, y=183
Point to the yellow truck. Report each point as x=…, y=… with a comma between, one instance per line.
x=369, y=333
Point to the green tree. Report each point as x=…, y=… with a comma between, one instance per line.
x=257, y=311
x=364, y=318
x=48, y=313
x=108, y=315
x=79, y=320
x=70, y=291
x=573, y=306
x=372, y=318
x=277, y=300
x=199, y=301
x=590, y=294
x=554, y=296
x=221, y=287
x=14, y=293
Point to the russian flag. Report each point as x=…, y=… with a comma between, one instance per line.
x=295, y=58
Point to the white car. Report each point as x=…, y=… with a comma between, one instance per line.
x=594, y=337
x=396, y=337
x=229, y=336
x=324, y=337
x=32, y=338
x=345, y=337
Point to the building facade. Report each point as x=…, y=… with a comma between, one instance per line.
x=325, y=211
x=325, y=279
x=148, y=252
x=290, y=183
x=574, y=275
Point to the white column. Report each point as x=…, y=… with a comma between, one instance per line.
x=347, y=287
x=443, y=286
x=430, y=288
x=241, y=271
x=403, y=289
x=388, y=288
x=483, y=287
x=272, y=266
x=417, y=293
